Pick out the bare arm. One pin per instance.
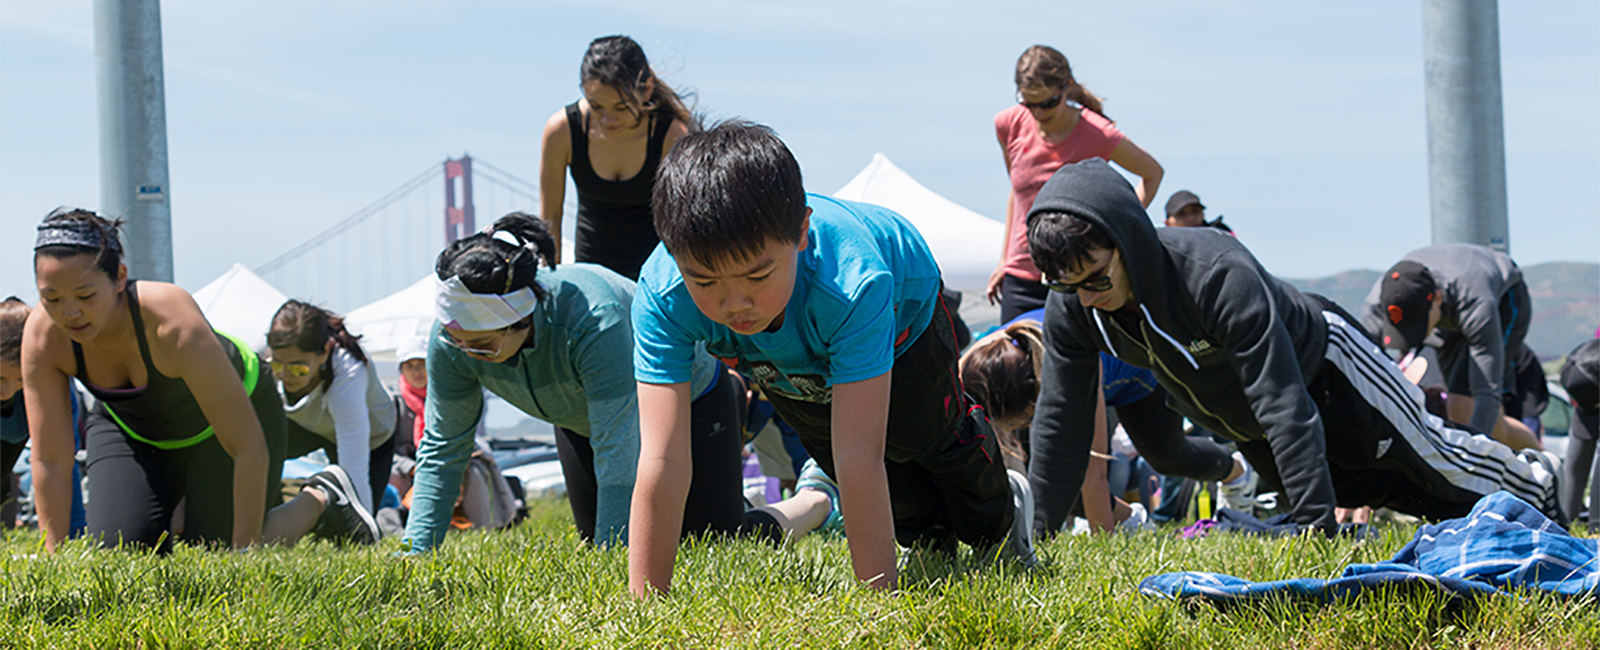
(45, 386)
(1142, 164)
(661, 488)
(992, 292)
(1096, 490)
(860, 425)
(184, 346)
(555, 154)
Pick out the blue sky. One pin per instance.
(1303, 123)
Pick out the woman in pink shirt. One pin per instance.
(1055, 122)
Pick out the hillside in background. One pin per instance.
(1566, 301)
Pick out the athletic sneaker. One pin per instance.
(1019, 543)
(813, 478)
(344, 519)
(1240, 493)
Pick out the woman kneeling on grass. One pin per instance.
(559, 347)
(184, 414)
(333, 397)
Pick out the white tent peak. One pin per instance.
(240, 303)
(965, 243)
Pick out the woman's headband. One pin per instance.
(85, 234)
(458, 307)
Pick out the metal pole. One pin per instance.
(133, 131)
(1466, 123)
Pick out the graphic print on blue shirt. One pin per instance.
(865, 289)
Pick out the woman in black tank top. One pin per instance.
(612, 140)
(185, 414)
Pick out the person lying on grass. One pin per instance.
(185, 414)
(1313, 404)
(555, 343)
(833, 308)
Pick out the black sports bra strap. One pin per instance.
(138, 326)
(138, 333)
(578, 126)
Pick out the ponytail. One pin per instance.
(1046, 67)
(1001, 372)
(503, 258)
(308, 328)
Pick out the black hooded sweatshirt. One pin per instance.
(1234, 346)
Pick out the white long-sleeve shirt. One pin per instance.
(354, 411)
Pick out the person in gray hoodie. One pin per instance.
(1312, 403)
(1474, 297)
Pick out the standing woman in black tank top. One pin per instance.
(612, 140)
(185, 414)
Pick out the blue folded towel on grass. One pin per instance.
(1503, 544)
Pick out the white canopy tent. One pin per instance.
(384, 324)
(965, 243)
(240, 303)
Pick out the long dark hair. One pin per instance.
(619, 62)
(1046, 67)
(487, 264)
(107, 256)
(308, 328)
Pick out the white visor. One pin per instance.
(456, 307)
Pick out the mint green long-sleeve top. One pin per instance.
(574, 371)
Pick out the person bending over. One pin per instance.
(555, 343)
(1311, 402)
(184, 413)
(1001, 372)
(833, 308)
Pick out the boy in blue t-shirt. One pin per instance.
(833, 307)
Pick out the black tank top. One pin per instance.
(163, 409)
(615, 228)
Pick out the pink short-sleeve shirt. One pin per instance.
(1033, 161)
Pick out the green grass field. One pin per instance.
(536, 587)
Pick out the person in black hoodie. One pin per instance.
(1313, 405)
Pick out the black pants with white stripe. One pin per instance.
(1384, 450)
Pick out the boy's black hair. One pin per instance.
(722, 194)
(1061, 243)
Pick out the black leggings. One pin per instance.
(947, 480)
(1019, 296)
(716, 502)
(301, 441)
(1157, 432)
(137, 487)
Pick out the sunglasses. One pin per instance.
(296, 369)
(1043, 105)
(1096, 284)
(482, 352)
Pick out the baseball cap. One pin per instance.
(1180, 200)
(1580, 376)
(1406, 297)
(413, 347)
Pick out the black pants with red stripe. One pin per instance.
(947, 480)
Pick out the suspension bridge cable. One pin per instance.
(351, 221)
(502, 172)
